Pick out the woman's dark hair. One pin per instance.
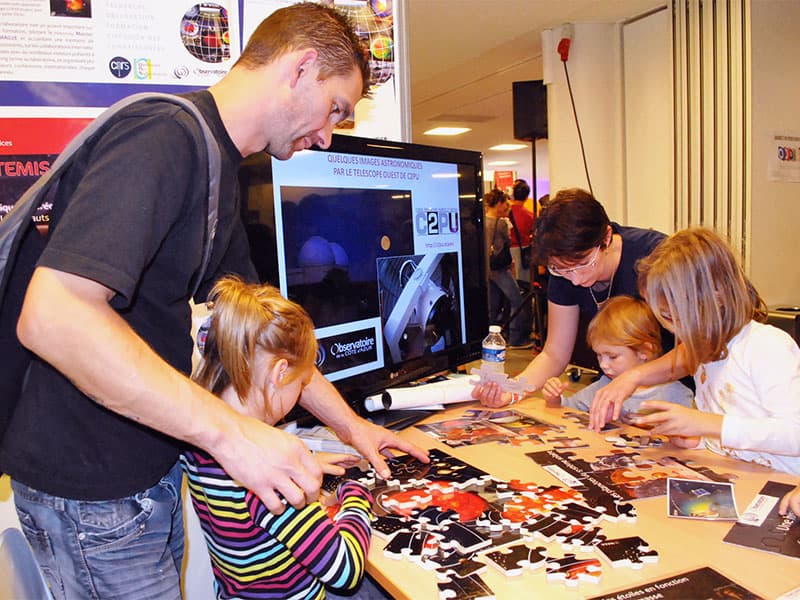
(494, 197)
(572, 224)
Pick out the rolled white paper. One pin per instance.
(418, 396)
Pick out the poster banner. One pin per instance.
(118, 41)
(62, 56)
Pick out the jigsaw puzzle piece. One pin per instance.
(571, 570)
(632, 552)
(466, 566)
(545, 527)
(582, 539)
(564, 441)
(464, 538)
(468, 588)
(385, 526)
(514, 559)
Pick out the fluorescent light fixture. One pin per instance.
(447, 131)
(502, 147)
(502, 163)
(445, 175)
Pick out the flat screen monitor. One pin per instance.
(382, 244)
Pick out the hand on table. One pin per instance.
(336, 463)
(552, 390)
(677, 420)
(375, 442)
(491, 395)
(790, 502)
(689, 443)
(607, 402)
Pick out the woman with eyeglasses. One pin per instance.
(590, 259)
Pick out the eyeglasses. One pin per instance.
(559, 272)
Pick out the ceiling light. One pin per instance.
(502, 163)
(509, 147)
(447, 130)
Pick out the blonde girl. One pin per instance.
(257, 356)
(624, 334)
(747, 373)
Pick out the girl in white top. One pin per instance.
(747, 374)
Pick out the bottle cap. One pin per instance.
(495, 329)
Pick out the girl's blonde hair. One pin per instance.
(695, 277)
(626, 321)
(247, 317)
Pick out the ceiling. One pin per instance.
(465, 54)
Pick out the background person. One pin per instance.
(504, 295)
(590, 259)
(92, 448)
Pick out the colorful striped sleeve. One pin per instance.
(333, 551)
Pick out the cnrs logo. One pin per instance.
(120, 67)
(787, 154)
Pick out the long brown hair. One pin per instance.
(247, 317)
(695, 276)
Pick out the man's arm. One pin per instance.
(87, 341)
(322, 400)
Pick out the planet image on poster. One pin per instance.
(381, 8)
(381, 47)
(205, 33)
(373, 23)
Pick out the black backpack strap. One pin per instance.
(516, 229)
(12, 227)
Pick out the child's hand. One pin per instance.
(677, 420)
(690, 443)
(552, 390)
(790, 502)
(335, 464)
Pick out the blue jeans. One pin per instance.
(126, 548)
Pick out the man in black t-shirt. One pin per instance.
(93, 445)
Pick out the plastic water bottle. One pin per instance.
(493, 350)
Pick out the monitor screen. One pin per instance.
(382, 243)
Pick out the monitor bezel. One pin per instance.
(356, 388)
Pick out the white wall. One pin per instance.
(595, 72)
(647, 94)
(775, 244)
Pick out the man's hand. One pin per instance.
(678, 420)
(336, 463)
(607, 402)
(491, 395)
(790, 502)
(375, 442)
(269, 462)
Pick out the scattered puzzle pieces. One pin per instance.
(572, 570)
(632, 552)
(514, 559)
(468, 588)
(636, 442)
